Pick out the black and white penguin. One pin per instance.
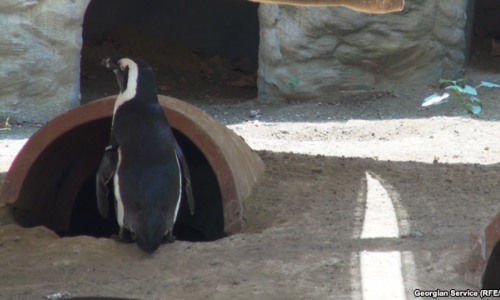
(143, 166)
(491, 276)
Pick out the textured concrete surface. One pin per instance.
(308, 52)
(39, 58)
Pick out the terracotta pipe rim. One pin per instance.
(103, 108)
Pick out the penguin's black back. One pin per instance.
(148, 170)
(491, 276)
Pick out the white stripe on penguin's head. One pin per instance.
(131, 90)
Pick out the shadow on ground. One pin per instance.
(321, 202)
(305, 235)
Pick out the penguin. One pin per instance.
(143, 166)
(491, 275)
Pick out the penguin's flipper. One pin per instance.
(187, 176)
(104, 178)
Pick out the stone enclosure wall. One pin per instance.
(40, 44)
(310, 52)
(305, 52)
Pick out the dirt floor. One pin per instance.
(357, 185)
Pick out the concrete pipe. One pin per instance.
(52, 180)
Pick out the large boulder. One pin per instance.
(40, 57)
(308, 52)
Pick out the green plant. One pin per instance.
(292, 83)
(465, 94)
(6, 123)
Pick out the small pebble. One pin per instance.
(416, 234)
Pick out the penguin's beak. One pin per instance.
(113, 63)
(105, 62)
(110, 63)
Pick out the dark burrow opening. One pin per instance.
(199, 50)
(59, 191)
(485, 34)
(206, 224)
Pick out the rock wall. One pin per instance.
(304, 52)
(40, 44)
(309, 52)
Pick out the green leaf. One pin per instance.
(469, 90)
(476, 109)
(475, 99)
(436, 99)
(293, 80)
(460, 80)
(454, 87)
(489, 84)
(445, 81)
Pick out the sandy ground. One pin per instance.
(365, 196)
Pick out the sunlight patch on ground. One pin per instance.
(382, 272)
(380, 216)
(8, 152)
(444, 139)
(381, 276)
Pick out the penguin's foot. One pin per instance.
(168, 238)
(125, 236)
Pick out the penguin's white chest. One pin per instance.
(180, 188)
(120, 212)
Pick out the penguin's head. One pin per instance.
(134, 76)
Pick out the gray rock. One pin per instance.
(40, 58)
(309, 52)
(416, 234)
(305, 52)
